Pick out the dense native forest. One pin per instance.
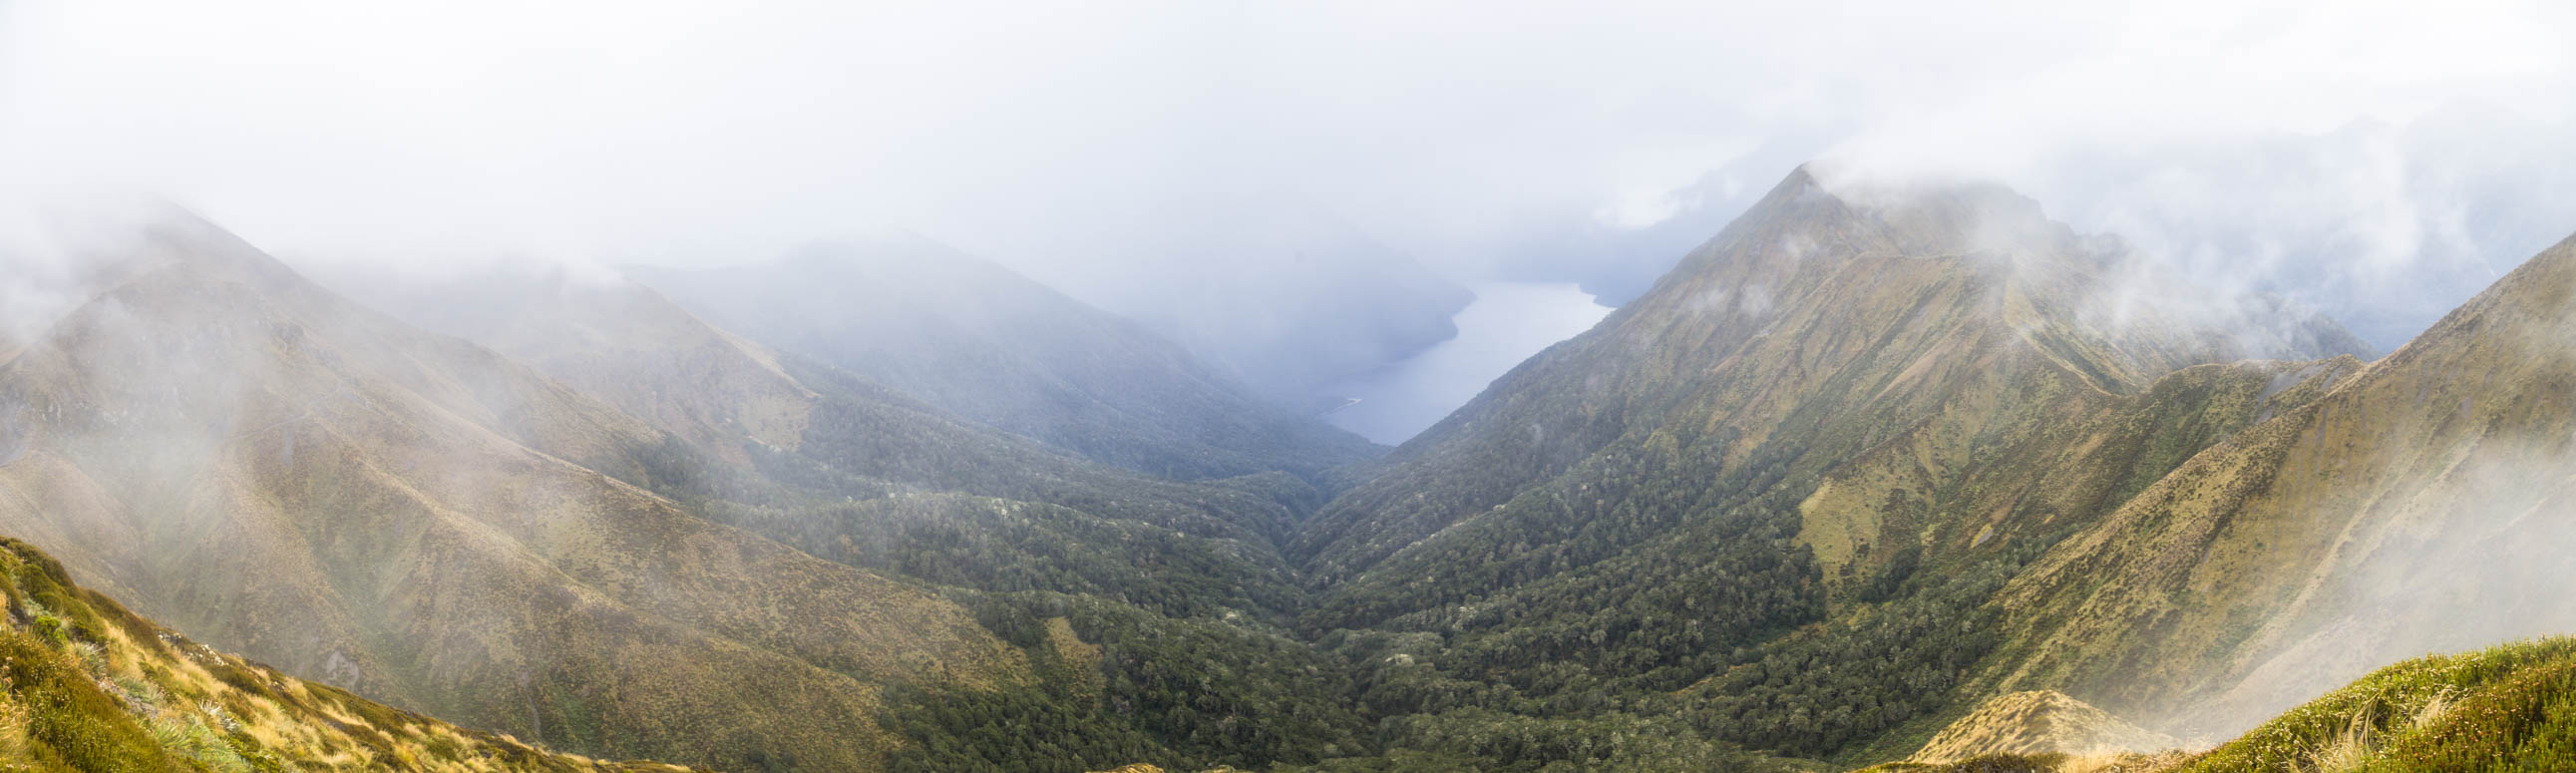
(1799, 531)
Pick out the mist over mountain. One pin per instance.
(2384, 225)
(804, 387)
(233, 449)
(990, 345)
(1874, 458)
(2412, 509)
(1290, 297)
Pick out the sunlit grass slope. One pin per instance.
(87, 686)
(2506, 709)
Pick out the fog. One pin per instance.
(1363, 212)
(2480, 561)
(1166, 160)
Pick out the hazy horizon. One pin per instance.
(2376, 163)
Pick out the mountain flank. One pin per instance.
(2416, 506)
(414, 518)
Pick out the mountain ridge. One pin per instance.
(1755, 497)
(2420, 451)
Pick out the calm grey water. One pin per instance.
(1508, 322)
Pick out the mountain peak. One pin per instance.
(1815, 210)
(1948, 216)
(179, 237)
(2535, 293)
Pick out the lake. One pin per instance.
(1508, 322)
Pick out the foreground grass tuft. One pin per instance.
(88, 687)
(2505, 709)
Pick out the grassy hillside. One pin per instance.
(2509, 708)
(2505, 708)
(87, 686)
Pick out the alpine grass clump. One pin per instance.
(2508, 708)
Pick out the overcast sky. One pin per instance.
(1562, 141)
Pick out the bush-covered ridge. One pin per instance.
(87, 686)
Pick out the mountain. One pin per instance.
(755, 426)
(93, 687)
(617, 549)
(278, 472)
(1148, 607)
(1873, 459)
(2420, 505)
(1773, 494)
(989, 345)
(610, 339)
(1879, 472)
(1805, 300)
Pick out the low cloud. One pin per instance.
(2376, 160)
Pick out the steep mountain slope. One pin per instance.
(1770, 495)
(87, 686)
(611, 340)
(391, 542)
(763, 427)
(990, 345)
(2420, 505)
(276, 471)
(1807, 299)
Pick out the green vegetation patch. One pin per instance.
(2506, 709)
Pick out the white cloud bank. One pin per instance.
(2307, 141)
